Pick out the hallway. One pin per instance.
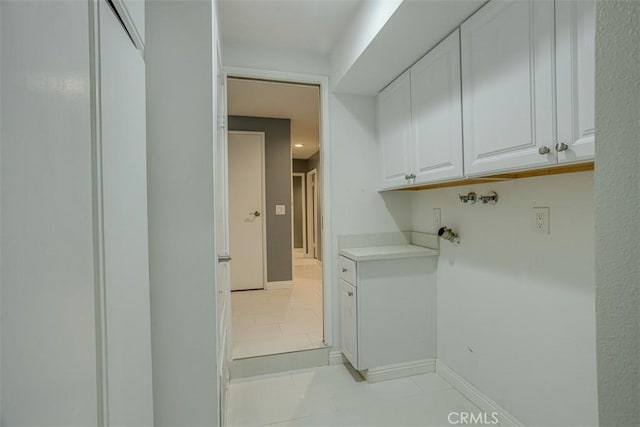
(280, 320)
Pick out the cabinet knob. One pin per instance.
(344, 270)
(412, 176)
(407, 177)
(561, 146)
(350, 293)
(544, 150)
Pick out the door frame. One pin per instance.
(314, 214)
(262, 205)
(302, 175)
(328, 281)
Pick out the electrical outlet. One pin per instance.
(280, 210)
(436, 218)
(541, 220)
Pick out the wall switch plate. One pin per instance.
(281, 210)
(436, 218)
(541, 220)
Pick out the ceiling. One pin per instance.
(415, 28)
(299, 103)
(310, 25)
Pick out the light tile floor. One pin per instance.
(280, 320)
(336, 396)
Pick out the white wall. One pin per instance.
(180, 141)
(1, 97)
(358, 207)
(48, 324)
(523, 302)
(366, 24)
(617, 205)
(286, 60)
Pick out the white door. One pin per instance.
(575, 65)
(394, 131)
(436, 110)
(312, 213)
(507, 82)
(124, 217)
(349, 322)
(246, 213)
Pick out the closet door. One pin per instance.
(123, 160)
(394, 132)
(507, 83)
(437, 113)
(575, 65)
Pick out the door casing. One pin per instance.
(330, 326)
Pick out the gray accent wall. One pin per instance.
(300, 165)
(278, 190)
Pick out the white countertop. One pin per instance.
(371, 253)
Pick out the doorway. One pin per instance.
(283, 312)
(312, 214)
(299, 209)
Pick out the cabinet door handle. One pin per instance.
(350, 293)
(544, 150)
(344, 270)
(561, 146)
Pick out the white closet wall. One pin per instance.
(74, 283)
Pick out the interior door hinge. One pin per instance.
(222, 121)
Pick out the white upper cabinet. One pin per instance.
(507, 83)
(394, 131)
(575, 76)
(436, 149)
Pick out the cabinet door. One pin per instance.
(349, 322)
(436, 109)
(394, 129)
(507, 83)
(575, 65)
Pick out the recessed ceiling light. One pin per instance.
(298, 145)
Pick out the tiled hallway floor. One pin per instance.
(330, 396)
(280, 320)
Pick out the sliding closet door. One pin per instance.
(125, 234)
(48, 366)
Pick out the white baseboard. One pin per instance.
(400, 370)
(335, 358)
(481, 400)
(284, 284)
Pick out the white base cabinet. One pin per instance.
(388, 314)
